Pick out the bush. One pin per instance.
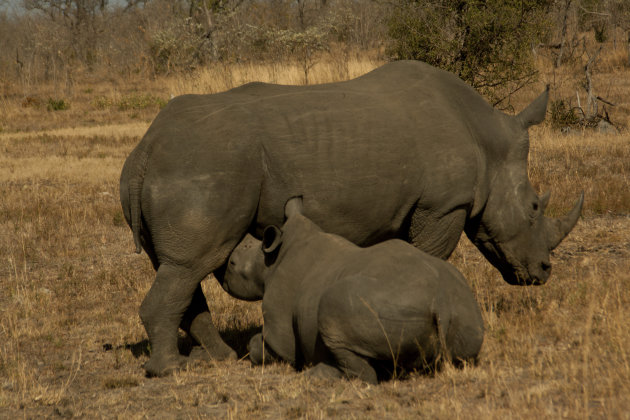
(57, 105)
(486, 43)
(140, 101)
(563, 115)
(178, 47)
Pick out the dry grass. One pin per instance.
(105, 101)
(71, 343)
(221, 78)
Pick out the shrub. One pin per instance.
(140, 101)
(486, 43)
(57, 105)
(563, 115)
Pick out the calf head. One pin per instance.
(243, 276)
(249, 264)
(512, 231)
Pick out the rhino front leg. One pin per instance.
(437, 234)
(161, 313)
(197, 322)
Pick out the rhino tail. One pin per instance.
(135, 193)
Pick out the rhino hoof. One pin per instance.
(159, 367)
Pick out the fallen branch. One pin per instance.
(604, 101)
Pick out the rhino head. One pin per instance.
(511, 230)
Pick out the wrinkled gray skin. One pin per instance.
(329, 303)
(406, 151)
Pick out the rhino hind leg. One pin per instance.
(173, 300)
(161, 313)
(197, 322)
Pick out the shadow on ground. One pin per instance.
(235, 338)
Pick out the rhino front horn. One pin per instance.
(558, 229)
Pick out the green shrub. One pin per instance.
(102, 102)
(57, 105)
(486, 43)
(140, 101)
(563, 115)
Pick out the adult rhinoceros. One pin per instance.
(406, 151)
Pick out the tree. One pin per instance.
(80, 16)
(488, 43)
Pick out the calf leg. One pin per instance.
(259, 352)
(354, 366)
(197, 322)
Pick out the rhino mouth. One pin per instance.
(520, 276)
(512, 270)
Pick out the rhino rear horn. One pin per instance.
(558, 229)
(535, 112)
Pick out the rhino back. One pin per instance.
(368, 150)
(399, 302)
(365, 150)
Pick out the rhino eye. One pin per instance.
(535, 206)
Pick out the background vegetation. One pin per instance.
(80, 82)
(494, 44)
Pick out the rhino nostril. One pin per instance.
(546, 267)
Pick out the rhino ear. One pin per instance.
(535, 112)
(293, 206)
(271, 240)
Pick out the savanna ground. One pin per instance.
(72, 344)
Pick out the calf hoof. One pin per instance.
(255, 349)
(221, 351)
(323, 371)
(161, 366)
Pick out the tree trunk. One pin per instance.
(563, 34)
(591, 104)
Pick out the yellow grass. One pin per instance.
(71, 342)
(219, 78)
(116, 131)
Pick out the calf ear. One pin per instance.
(293, 206)
(272, 238)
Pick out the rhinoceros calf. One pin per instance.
(332, 304)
